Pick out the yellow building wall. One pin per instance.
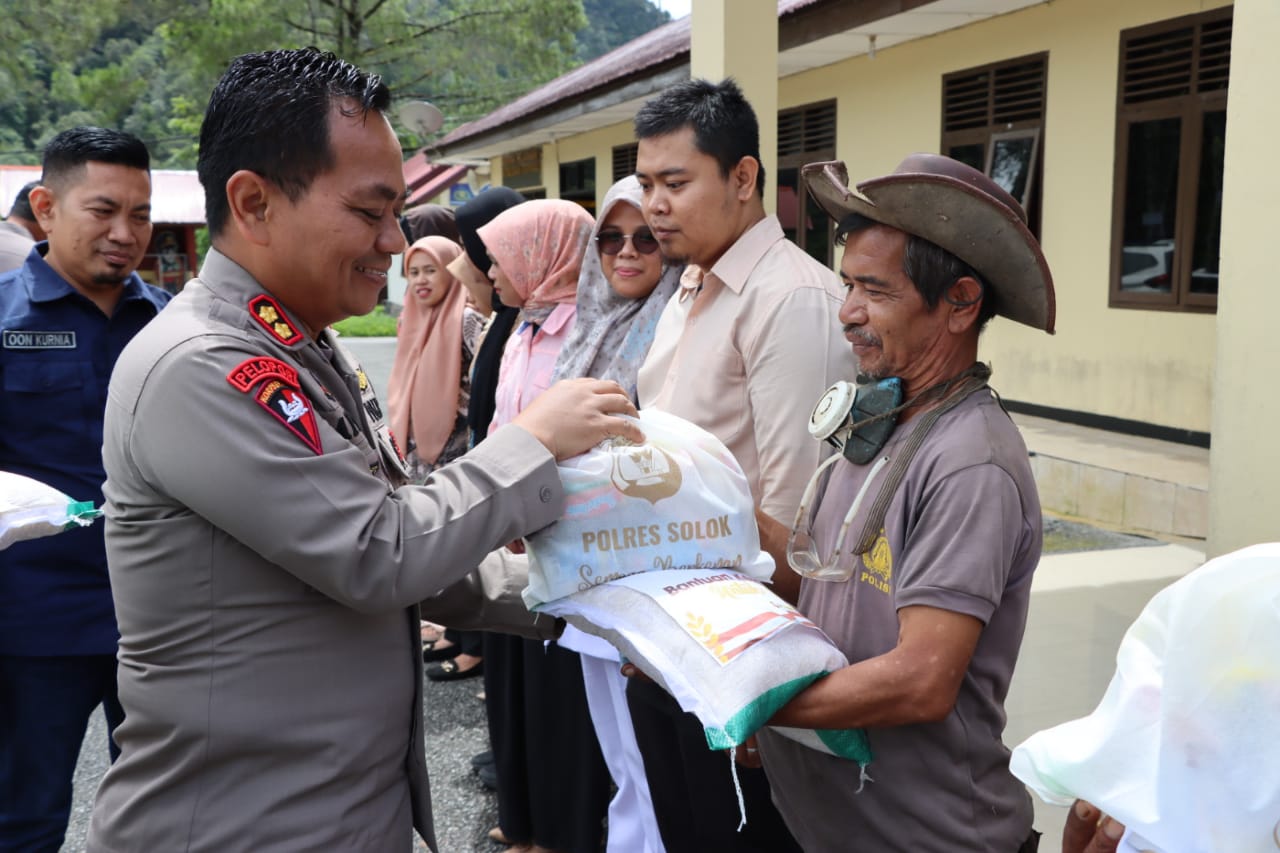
(1244, 463)
(597, 143)
(1150, 366)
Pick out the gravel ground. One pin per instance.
(455, 730)
(1062, 535)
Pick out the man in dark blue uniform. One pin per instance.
(65, 315)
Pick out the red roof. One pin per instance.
(426, 180)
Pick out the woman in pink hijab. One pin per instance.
(553, 785)
(428, 390)
(537, 250)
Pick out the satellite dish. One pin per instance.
(421, 117)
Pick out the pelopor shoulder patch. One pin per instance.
(274, 386)
(271, 317)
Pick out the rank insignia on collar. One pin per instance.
(280, 395)
(271, 317)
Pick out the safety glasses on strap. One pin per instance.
(802, 550)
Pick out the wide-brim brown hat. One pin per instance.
(959, 209)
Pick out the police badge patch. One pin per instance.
(280, 395)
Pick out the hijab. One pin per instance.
(488, 360)
(539, 247)
(427, 219)
(612, 333)
(427, 372)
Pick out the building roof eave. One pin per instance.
(811, 34)
(619, 101)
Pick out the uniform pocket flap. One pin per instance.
(41, 377)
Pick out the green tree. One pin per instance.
(148, 65)
(613, 23)
(466, 56)
(88, 62)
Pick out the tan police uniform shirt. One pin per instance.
(265, 563)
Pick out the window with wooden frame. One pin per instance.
(1171, 123)
(578, 182)
(805, 135)
(993, 119)
(624, 160)
(522, 170)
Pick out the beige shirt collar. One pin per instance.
(736, 265)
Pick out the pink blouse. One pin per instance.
(528, 362)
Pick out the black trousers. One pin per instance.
(468, 642)
(691, 785)
(553, 784)
(45, 705)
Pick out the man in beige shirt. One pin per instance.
(19, 231)
(744, 349)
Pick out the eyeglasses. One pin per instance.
(802, 550)
(643, 241)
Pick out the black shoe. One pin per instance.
(450, 671)
(431, 654)
(478, 761)
(489, 776)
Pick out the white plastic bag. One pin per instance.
(729, 650)
(1184, 748)
(678, 501)
(30, 509)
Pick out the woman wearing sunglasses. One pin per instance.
(623, 287)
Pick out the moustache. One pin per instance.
(862, 336)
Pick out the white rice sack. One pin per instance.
(678, 501)
(30, 509)
(1183, 748)
(729, 650)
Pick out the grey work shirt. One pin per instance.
(266, 567)
(15, 245)
(962, 533)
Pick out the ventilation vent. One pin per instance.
(1158, 66)
(1186, 60)
(996, 95)
(624, 160)
(1018, 93)
(807, 130)
(966, 101)
(1215, 56)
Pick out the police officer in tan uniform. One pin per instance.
(265, 557)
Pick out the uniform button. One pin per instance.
(545, 494)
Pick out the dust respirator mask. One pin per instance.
(857, 420)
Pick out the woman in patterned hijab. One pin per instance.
(624, 285)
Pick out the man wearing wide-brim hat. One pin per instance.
(920, 539)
